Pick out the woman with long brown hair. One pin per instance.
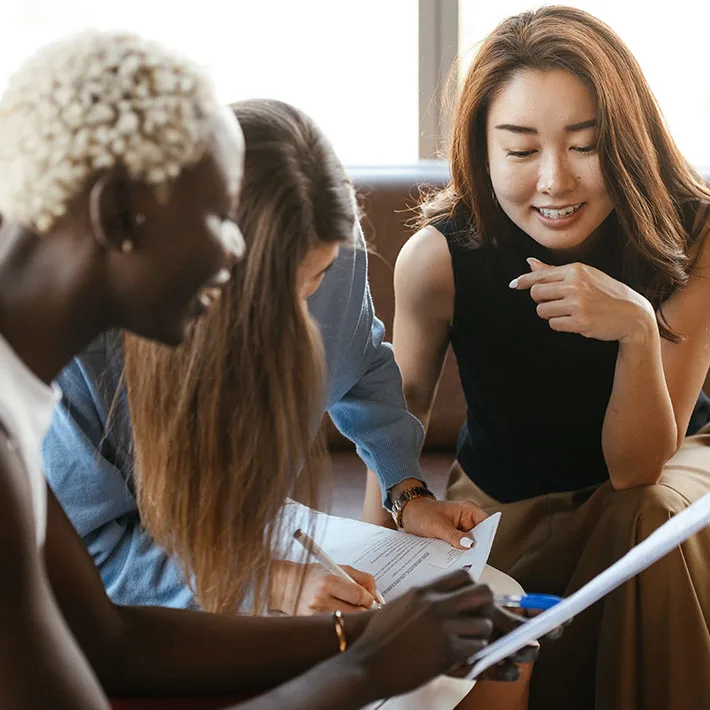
(566, 265)
(261, 352)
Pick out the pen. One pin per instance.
(527, 601)
(331, 566)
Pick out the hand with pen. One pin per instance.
(324, 586)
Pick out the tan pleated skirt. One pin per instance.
(647, 644)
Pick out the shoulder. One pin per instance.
(423, 272)
(426, 254)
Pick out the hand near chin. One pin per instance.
(577, 298)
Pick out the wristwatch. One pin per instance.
(406, 496)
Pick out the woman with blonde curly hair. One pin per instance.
(121, 175)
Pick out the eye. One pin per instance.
(519, 153)
(584, 149)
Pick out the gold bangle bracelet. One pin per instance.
(339, 622)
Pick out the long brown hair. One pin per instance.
(223, 424)
(647, 178)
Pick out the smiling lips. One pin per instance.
(558, 212)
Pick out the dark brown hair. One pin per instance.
(223, 424)
(647, 178)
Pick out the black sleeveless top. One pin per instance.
(535, 398)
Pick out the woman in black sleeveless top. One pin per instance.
(565, 265)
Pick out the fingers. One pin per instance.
(471, 627)
(474, 599)
(505, 671)
(458, 579)
(453, 519)
(470, 515)
(542, 292)
(554, 309)
(527, 654)
(362, 578)
(547, 275)
(565, 324)
(503, 620)
(335, 593)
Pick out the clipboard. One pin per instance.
(659, 543)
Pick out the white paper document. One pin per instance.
(659, 543)
(396, 560)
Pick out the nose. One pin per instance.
(555, 177)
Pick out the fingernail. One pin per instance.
(513, 283)
(532, 259)
(466, 542)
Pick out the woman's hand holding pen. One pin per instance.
(322, 592)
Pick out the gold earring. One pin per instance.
(126, 246)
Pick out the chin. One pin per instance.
(558, 240)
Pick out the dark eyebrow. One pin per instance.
(582, 125)
(517, 129)
(527, 130)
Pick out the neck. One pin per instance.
(48, 309)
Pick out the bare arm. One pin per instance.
(159, 651)
(660, 379)
(41, 665)
(424, 299)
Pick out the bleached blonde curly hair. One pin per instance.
(88, 102)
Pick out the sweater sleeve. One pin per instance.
(373, 413)
(92, 481)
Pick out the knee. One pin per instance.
(644, 508)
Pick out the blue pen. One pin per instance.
(527, 601)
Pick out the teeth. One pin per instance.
(556, 214)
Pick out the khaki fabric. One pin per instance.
(647, 644)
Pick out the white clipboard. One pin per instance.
(666, 538)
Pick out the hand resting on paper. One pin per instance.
(321, 592)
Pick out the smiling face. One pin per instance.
(184, 253)
(541, 136)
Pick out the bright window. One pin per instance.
(352, 66)
(670, 43)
